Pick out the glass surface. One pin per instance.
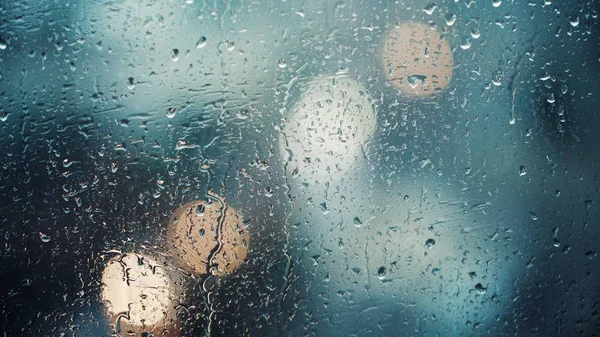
(299, 168)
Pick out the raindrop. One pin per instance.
(480, 289)
(171, 112)
(3, 44)
(200, 210)
(381, 272)
(466, 43)
(575, 21)
(496, 3)
(230, 45)
(522, 170)
(268, 192)
(3, 116)
(324, 208)
(45, 238)
(120, 147)
(357, 221)
(429, 243)
(430, 9)
(282, 63)
(591, 254)
(130, 84)
(201, 42)
(450, 19)
(415, 80)
(175, 55)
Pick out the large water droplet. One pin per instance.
(171, 112)
(430, 9)
(466, 43)
(575, 21)
(45, 238)
(480, 289)
(200, 210)
(522, 170)
(450, 19)
(201, 42)
(282, 63)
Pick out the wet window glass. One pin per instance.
(299, 168)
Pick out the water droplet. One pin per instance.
(480, 289)
(475, 33)
(522, 170)
(175, 55)
(429, 243)
(415, 80)
(357, 221)
(575, 21)
(450, 19)
(496, 3)
(3, 116)
(324, 208)
(130, 83)
(171, 112)
(120, 147)
(466, 43)
(230, 45)
(591, 254)
(201, 42)
(45, 238)
(381, 272)
(200, 210)
(268, 192)
(534, 216)
(282, 63)
(430, 9)
(3, 44)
